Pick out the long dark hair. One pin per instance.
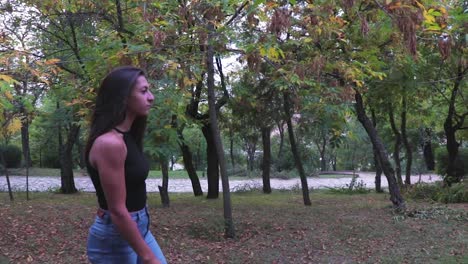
(111, 105)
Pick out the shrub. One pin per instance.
(355, 187)
(461, 166)
(246, 187)
(50, 159)
(457, 193)
(12, 155)
(423, 191)
(283, 175)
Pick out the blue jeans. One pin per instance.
(106, 246)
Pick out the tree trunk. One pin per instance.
(188, 164)
(404, 136)
(297, 157)
(452, 150)
(333, 162)
(378, 168)
(378, 173)
(5, 169)
(66, 173)
(251, 143)
(321, 143)
(395, 196)
(25, 141)
(322, 150)
(80, 151)
(66, 160)
(165, 182)
(266, 131)
(280, 150)
(172, 163)
(228, 222)
(427, 149)
(26, 149)
(231, 148)
(212, 170)
(397, 146)
(450, 130)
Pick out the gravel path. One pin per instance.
(18, 183)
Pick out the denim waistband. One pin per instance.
(136, 215)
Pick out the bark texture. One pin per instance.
(297, 157)
(395, 196)
(266, 162)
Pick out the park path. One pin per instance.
(83, 183)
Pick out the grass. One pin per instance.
(275, 228)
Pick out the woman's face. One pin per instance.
(141, 98)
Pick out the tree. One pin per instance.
(255, 105)
(6, 118)
(445, 34)
(267, 58)
(23, 62)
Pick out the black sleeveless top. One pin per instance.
(136, 172)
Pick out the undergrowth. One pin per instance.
(355, 187)
(457, 193)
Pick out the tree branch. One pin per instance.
(236, 13)
(383, 8)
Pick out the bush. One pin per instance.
(457, 193)
(423, 191)
(461, 167)
(12, 155)
(355, 187)
(283, 175)
(50, 159)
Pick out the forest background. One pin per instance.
(247, 88)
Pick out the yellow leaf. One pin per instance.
(14, 126)
(173, 65)
(8, 95)
(167, 126)
(189, 82)
(52, 61)
(443, 10)
(271, 4)
(433, 28)
(420, 5)
(429, 18)
(6, 78)
(272, 53)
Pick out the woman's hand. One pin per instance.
(152, 260)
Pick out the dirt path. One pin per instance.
(41, 184)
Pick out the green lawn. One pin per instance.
(275, 228)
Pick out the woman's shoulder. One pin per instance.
(110, 141)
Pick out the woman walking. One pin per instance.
(118, 170)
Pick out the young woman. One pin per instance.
(118, 170)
